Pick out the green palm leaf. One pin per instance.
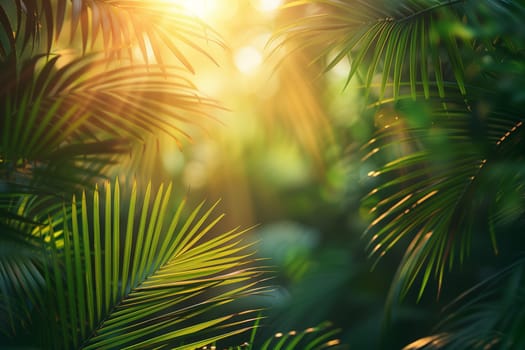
(142, 276)
(21, 278)
(119, 25)
(444, 175)
(66, 122)
(320, 337)
(489, 315)
(421, 42)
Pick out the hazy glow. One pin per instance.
(341, 69)
(267, 5)
(211, 11)
(200, 8)
(248, 59)
(173, 161)
(195, 175)
(285, 166)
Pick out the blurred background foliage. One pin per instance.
(284, 156)
(349, 98)
(308, 128)
(287, 159)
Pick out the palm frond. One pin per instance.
(21, 274)
(490, 315)
(119, 25)
(21, 285)
(7, 38)
(323, 336)
(419, 42)
(445, 174)
(142, 276)
(63, 120)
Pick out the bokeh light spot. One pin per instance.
(173, 161)
(341, 69)
(267, 5)
(195, 175)
(199, 8)
(248, 59)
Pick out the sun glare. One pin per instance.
(200, 8)
(248, 59)
(267, 5)
(210, 10)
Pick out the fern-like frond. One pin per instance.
(323, 336)
(489, 316)
(22, 282)
(61, 119)
(138, 275)
(419, 42)
(320, 337)
(446, 170)
(117, 25)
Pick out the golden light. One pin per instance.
(173, 160)
(267, 5)
(200, 8)
(341, 69)
(195, 175)
(248, 59)
(210, 11)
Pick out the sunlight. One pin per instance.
(173, 160)
(210, 10)
(248, 59)
(267, 5)
(341, 69)
(200, 8)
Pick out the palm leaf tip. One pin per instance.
(323, 336)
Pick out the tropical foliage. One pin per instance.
(443, 80)
(111, 280)
(100, 265)
(427, 131)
